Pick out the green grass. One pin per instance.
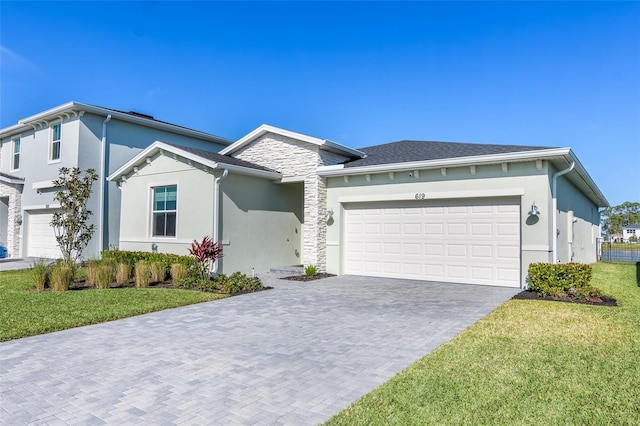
(620, 247)
(24, 312)
(528, 362)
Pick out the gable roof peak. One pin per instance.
(263, 129)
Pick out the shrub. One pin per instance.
(562, 280)
(61, 277)
(123, 272)
(237, 282)
(178, 272)
(158, 272)
(310, 270)
(40, 274)
(92, 266)
(187, 283)
(205, 253)
(133, 257)
(143, 274)
(104, 276)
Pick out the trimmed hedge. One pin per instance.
(230, 284)
(562, 280)
(133, 257)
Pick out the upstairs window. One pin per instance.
(15, 155)
(54, 150)
(164, 211)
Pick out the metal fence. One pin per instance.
(618, 252)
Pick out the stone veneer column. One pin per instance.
(294, 158)
(13, 192)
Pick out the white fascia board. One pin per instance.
(11, 179)
(157, 146)
(43, 184)
(602, 200)
(77, 107)
(341, 149)
(447, 162)
(266, 128)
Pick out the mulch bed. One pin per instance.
(306, 278)
(81, 284)
(597, 301)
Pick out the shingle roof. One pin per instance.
(632, 226)
(406, 151)
(224, 159)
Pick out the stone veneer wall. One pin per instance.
(13, 191)
(294, 158)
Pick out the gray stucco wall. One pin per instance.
(578, 224)
(260, 226)
(298, 159)
(489, 181)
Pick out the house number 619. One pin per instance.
(420, 196)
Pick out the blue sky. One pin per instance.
(358, 73)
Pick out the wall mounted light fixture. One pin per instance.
(534, 210)
(329, 213)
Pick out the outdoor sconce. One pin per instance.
(329, 213)
(534, 210)
(18, 219)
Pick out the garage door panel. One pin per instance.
(457, 250)
(482, 251)
(434, 229)
(457, 229)
(508, 229)
(481, 229)
(434, 249)
(470, 241)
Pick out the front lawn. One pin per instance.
(528, 362)
(27, 313)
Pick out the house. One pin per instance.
(631, 233)
(452, 212)
(74, 135)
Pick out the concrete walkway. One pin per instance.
(293, 355)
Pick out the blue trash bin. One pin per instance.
(3, 252)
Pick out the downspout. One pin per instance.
(103, 179)
(217, 213)
(554, 220)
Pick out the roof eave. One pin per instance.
(446, 162)
(69, 107)
(158, 146)
(545, 154)
(266, 128)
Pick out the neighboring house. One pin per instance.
(631, 233)
(452, 212)
(73, 135)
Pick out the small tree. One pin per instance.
(205, 252)
(70, 223)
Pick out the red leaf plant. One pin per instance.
(205, 253)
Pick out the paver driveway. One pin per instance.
(293, 355)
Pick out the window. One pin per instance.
(54, 151)
(164, 211)
(15, 159)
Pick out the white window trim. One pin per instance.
(151, 210)
(13, 155)
(50, 159)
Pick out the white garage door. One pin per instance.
(41, 240)
(464, 241)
